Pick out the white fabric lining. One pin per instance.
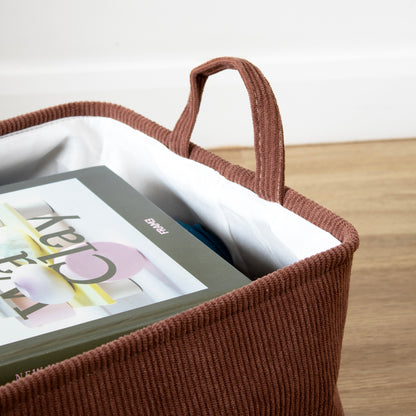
(262, 236)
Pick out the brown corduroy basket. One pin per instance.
(269, 348)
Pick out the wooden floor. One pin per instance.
(373, 185)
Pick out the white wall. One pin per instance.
(341, 70)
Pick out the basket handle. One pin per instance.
(268, 131)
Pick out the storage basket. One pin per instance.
(269, 348)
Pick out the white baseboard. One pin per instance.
(321, 99)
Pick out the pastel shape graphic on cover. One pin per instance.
(42, 284)
(45, 286)
(113, 261)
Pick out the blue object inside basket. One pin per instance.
(209, 239)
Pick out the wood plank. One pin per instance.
(373, 185)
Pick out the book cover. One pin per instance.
(84, 259)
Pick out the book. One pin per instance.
(85, 259)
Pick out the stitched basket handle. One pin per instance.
(268, 131)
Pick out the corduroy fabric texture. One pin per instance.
(268, 131)
(270, 348)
